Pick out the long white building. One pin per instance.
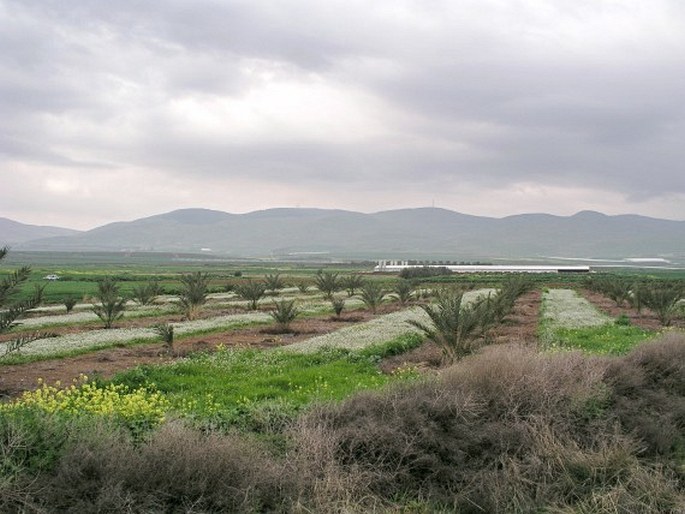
(389, 266)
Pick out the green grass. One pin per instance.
(259, 390)
(605, 339)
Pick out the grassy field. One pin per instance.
(587, 418)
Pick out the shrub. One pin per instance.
(508, 430)
(425, 272)
(69, 303)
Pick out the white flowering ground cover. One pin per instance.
(564, 308)
(90, 316)
(378, 330)
(94, 339)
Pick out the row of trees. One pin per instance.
(458, 327)
(664, 298)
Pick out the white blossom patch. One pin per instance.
(564, 308)
(378, 330)
(94, 339)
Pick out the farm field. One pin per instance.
(341, 412)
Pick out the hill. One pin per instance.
(13, 232)
(398, 234)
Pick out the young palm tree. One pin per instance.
(145, 294)
(372, 295)
(328, 283)
(252, 292)
(453, 326)
(273, 283)
(284, 313)
(403, 291)
(166, 332)
(112, 304)
(338, 305)
(194, 293)
(351, 283)
(664, 300)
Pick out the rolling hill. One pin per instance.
(396, 234)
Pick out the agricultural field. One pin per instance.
(331, 389)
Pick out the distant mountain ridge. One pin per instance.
(398, 234)
(13, 232)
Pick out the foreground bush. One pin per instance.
(506, 430)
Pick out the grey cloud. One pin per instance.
(487, 99)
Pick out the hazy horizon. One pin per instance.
(114, 112)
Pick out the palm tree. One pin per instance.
(194, 293)
(252, 292)
(12, 310)
(351, 283)
(112, 305)
(403, 291)
(273, 283)
(453, 326)
(328, 283)
(284, 313)
(372, 295)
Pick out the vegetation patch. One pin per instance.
(257, 389)
(612, 339)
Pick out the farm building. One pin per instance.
(397, 266)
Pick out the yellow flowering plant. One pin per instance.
(136, 408)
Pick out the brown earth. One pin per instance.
(646, 319)
(14, 379)
(520, 326)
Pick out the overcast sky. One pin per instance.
(119, 110)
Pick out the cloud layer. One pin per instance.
(119, 110)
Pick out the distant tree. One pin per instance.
(69, 303)
(273, 283)
(145, 294)
(328, 283)
(351, 283)
(403, 291)
(252, 292)
(664, 301)
(194, 291)
(303, 286)
(112, 304)
(372, 295)
(12, 309)
(338, 305)
(166, 332)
